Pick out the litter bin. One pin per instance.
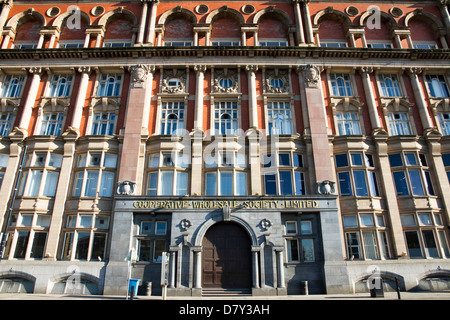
(133, 287)
(145, 289)
(376, 287)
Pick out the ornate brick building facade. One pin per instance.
(267, 147)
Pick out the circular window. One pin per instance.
(225, 82)
(174, 83)
(396, 12)
(352, 11)
(248, 9)
(202, 9)
(53, 12)
(97, 11)
(276, 83)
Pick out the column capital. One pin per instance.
(199, 68)
(35, 70)
(413, 71)
(365, 70)
(251, 68)
(84, 69)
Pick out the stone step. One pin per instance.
(218, 292)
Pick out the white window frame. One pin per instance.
(280, 110)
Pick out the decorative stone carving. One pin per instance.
(325, 187)
(311, 75)
(185, 224)
(266, 224)
(126, 188)
(139, 75)
(276, 81)
(225, 76)
(226, 212)
(174, 81)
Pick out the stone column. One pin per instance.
(387, 182)
(62, 191)
(445, 14)
(8, 33)
(6, 8)
(279, 254)
(172, 269)
(252, 104)
(298, 22)
(198, 112)
(370, 98)
(132, 150)
(254, 138)
(143, 22)
(198, 268)
(419, 97)
(30, 99)
(311, 89)
(152, 22)
(81, 97)
(255, 251)
(307, 17)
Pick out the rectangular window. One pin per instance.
(390, 86)
(370, 247)
(109, 85)
(353, 249)
(399, 123)
(211, 183)
(182, 183)
(291, 227)
(437, 86)
(274, 43)
(270, 183)
(341, 84)
(166, 183)
(430, 244)
(172, 117)
(98, 246)
(144, 249)
(103, 123)
(38, 246)
(292, 250)
(82, 247)
(333, 44)
(5, 123)
(226, 117)
(159, 248)
(345, 186)
(279, 117)
(228, 43)
(444, 122)
(306, 227)
(350, 221)
(21, 244)
(400, 183)
(413, 243)
(348, 123)
(359, 177)
(52, 123)
(12, 86)
(285, 182)
(60, 85)
(307, 250)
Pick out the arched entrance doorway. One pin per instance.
(226, 261)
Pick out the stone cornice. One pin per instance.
(295, 52)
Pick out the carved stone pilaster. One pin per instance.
(311, 75)
(139, 74)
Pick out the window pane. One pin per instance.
(356, 159)
(21, 244)
(226, 183)
(35, 183)
(110, 160)
(161, 227)
(345, 184)
(85, 221)
(152, 183)
(106, 185)
(90, 189)
(341, 160)
(400, 183)
(425, 219)
(370, 245)
(430, 243)
(395, 160)
(299, 183)
(359, 177)
(241, 184)
(284, 159)
(408, 220)
(82, 248)
(38, 246)
(51, 182)
(144, 250)
(211, 184)
(182, 183)
(146, 227)
(412, 240)
(306, 227)
(416, 182)
(292, 250)
(285, 183)
(160, 247)
(443, 241)
(352, 245)
(367, 220)
(166, 183)
(308, 249)
(410, 159)
(67, 249)
(98, 246)
(291, 227)
(350, 221)
(270, 184)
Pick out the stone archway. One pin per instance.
(226, 257)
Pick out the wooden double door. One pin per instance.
(226, 257)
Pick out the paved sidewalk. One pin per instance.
(442, 295)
